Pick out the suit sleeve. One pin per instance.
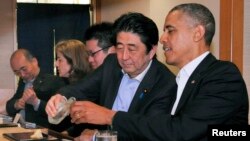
(52, 85)
(11, 102)
(219, 98)
(92, 86)
(86, 89)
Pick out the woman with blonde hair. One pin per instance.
(72, 64)
(72, 60)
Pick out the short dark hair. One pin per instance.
(101, 32)
(139, 24)
(201, 15)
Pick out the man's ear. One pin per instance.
(34, 61)
(152, 52)
(199, 33)
(111, 50)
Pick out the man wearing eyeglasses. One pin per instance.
(99, 44)
(34, 88)
(98, 40)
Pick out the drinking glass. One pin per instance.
(106, 135)
(63, 110)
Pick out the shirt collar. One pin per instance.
(142, 74)
(191, 66)
(31, 81)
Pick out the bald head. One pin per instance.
(22, 52)
(24, 64)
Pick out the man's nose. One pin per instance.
(163, 38)
(125, 54)
(90, 59)
(22, 74)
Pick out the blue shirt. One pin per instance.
(127, 90)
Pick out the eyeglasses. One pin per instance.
(92, 54)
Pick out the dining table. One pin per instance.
(18, 129)
(15, 129)
(49, 135)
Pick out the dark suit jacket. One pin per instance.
(103, 84)
(45, 86)
(214, 94)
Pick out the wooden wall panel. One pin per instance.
(96, 9)
(238, 25)
(231, 31)
(225, 29)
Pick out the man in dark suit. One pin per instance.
(210, 91)
(131, 80)
(34, 88)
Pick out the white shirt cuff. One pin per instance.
(37, 105)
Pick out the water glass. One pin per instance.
(106, 135)
(63, 110)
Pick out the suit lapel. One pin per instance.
(194, 80)
(144, 88)
(113, 90)
(37, 82)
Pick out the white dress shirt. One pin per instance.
(183, 77)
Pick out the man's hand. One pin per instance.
(86, 135)
(29, 96)
(20, 104)
(52, 104)
(88, 112)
